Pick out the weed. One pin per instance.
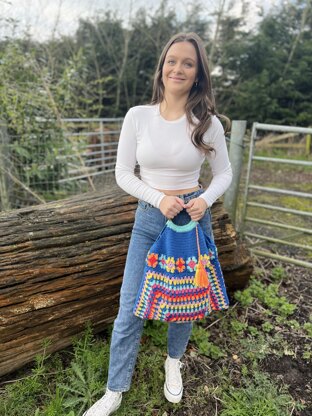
(278, 273)
(20, 398)
(237, 326)
(307, 354)
(157, 332)
(85, 377)
(253, 330)
(200, 338)
(281, 320)
(244, 297)
(267, 327)
(254, 350)
(41, 359)
(267, 295)
(244, 370)
(257, 397)
(308, 328)
(66, 393)
(293, 324)
(54, 405)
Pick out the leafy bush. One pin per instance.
(35, 153)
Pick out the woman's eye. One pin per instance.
(187, 64)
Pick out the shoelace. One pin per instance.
(174, 376)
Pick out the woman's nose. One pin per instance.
(178, 68)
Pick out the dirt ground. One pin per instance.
(292, 369)
(288, 368)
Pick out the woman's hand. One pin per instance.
(196, 208)
(170, 206)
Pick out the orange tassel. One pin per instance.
(201, 276)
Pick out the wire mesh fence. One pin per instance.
(55, 163)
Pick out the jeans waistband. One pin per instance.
(187, 197)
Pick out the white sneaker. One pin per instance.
(107, 404)
(173, 388)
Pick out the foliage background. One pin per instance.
(260, 74)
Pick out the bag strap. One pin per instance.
(201, 276)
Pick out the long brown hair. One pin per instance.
(201, 100)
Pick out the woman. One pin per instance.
(170, 139)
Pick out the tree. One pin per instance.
(260, 87)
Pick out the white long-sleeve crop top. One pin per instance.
(167, 158)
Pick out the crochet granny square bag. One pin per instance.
(182, 279)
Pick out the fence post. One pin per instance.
(4, 166)
(308, 145)
(102, 148)
(236, 158)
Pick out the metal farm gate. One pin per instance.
(94, 146)
(279, 224)
(52, 164)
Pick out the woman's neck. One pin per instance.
(172, 107)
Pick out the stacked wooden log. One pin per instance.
(61, 266)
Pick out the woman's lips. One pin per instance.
(177, 79)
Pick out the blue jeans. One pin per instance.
(127, 331)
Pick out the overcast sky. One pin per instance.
(42, 18)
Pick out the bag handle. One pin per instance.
(181, 228)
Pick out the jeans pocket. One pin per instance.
(206, 222)
(144, 205)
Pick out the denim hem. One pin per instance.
(176, 358)
(119, 390)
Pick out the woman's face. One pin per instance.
(180, 68)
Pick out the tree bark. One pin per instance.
(61, 266)
(219, 14)
(303, 21)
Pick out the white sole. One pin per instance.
(172, 398)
